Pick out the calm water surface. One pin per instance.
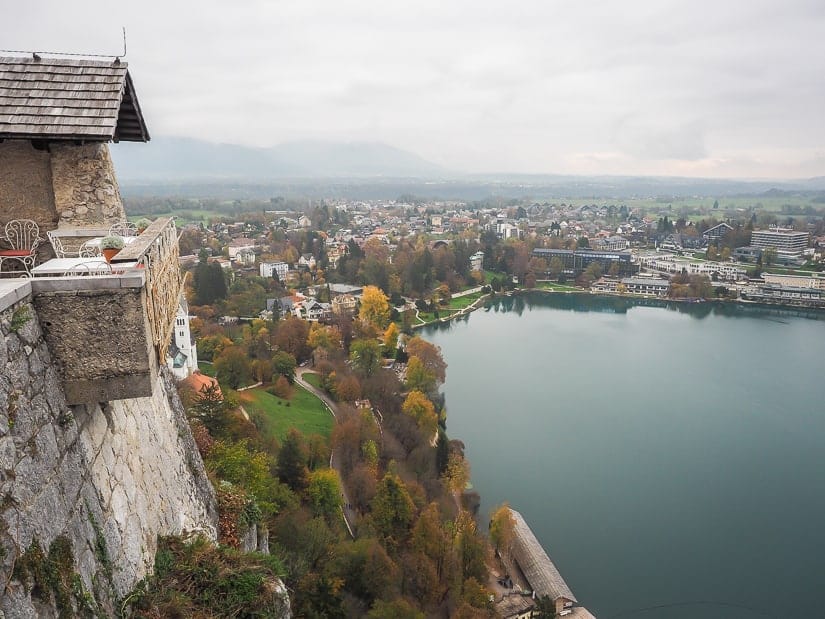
(663, 455)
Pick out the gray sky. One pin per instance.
(731, 88)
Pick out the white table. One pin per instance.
(94, 266)
(96, 241)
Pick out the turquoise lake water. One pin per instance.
(668, 456)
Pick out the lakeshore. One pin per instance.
(653, 301)
(647, 448)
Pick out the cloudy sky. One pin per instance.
(730, 88)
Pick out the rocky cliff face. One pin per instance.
(85, 490)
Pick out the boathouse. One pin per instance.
(541, 574)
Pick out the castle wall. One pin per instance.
(66, 185)
(26, 184)
(85, 187)
(108, 477)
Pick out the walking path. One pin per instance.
(332, 407)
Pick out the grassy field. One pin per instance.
(313, 379)
(465, 301)
(555, 286)
(304, 412)
(207, 368)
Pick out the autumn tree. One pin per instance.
(368, 572)
(419, 407)
(347, 388)
(418, 377)
(291, 336)
(284, 364)
(457, 474)
(395, 609)
(233, 367)
(392, 509)
(502, 528)
(324, 492)
(430, 356)
(391, 338)
(282, 388)
(375, 307)
(365, 356)
(326, 337)
(291, 465)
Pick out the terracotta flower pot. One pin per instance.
(109, 253)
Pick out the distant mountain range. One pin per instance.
(372, 170)
(187, 159)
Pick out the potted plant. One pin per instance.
(142, 224)
(110, 245)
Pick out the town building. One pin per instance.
(786, 295)
(747, 254)
(576, 261)
(668, 263)
(783, 240)
(477, 261)
(611, 243)
(795, 281)
(277, 269)
(239, 245)
(648, 286)
(182, 357)
(717, 232)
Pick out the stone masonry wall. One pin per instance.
(85, 187)
(26, 184)
(109, 478)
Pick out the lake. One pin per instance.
(669, 457)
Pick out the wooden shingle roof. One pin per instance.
(68, 99)
(533, 561)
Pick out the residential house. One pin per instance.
(238, 245)
(274, 269)
(307, 260)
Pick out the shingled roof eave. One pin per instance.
(137, 130)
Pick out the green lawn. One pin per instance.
(305, 412)
(465, 301)
(207, 368)
(555, 286)
(313, 379)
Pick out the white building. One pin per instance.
(182, 357)
(783, 240)
(267, 269)
(477, 261)
(238, 245)
(672, 264)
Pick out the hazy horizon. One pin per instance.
(644, 88)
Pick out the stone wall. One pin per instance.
(26, 184)
(64, 185)
(109, 479)
(85, 187)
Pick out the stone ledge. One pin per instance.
(132, 279)
(13, 291)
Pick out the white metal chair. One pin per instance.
(22, 236)
(89, 249)
(60, 250)
(89, 268)
(123, 228)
